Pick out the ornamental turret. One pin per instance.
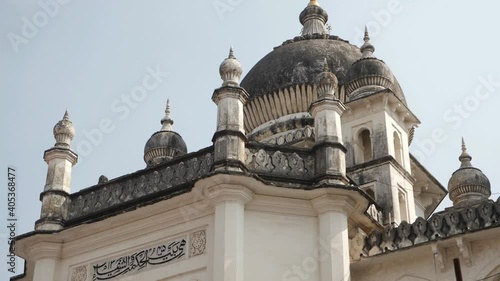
(60, 160)
(368, 75)
(314, 19)
(229, 139)
(164, 145)
(468, 185)
(329, 149)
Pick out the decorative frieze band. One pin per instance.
(441, 225)
(152, 181)
(280, 164)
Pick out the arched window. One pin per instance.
(365, 145)
(398, 148)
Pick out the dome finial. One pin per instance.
(167, 121)
(313, 3)
(325, 66)
(367, 49)
(327, 82)
(314, 19)
(64, 131)
(465, 158)
(230, 70)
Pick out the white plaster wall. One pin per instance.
(133, 237)
(280, 247)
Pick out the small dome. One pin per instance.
(231, 70)
(468, 185)
(165, 144)
(368, 74)
(64, 131)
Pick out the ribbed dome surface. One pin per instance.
(163, 145)
(468, 185)
(299, 62)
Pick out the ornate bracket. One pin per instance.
(439, 256)
(465, 251)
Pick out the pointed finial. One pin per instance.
(167, 121)
(326, 82)
(66, 115)
(231, 70)
(367, 49)
(313, 3)
(64, 131)
(325, 66)
(465, 158)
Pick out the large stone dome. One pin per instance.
(299, 61)
(282, 84)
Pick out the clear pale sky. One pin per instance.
(88, 57)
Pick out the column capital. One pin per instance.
(233, 92)
(229, 192)
(60, 153)
(45, 250)
(333, 203)
(327, 104)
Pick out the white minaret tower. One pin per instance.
(229, 139)
(60, 160)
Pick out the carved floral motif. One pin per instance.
(279, 164)
(79, 273)
(198, 243)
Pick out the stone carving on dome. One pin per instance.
(158, 179)
(291, 136)
(442, 225)
(280, 164)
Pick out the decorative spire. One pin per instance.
(313, 18)
(167, 121)
(64, 131)
(465, 158)
(367, 49)
(230, 70)
(325, 66)
(313, 3)
(468, 185)
(327, 82)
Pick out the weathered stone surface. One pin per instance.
(440, 226)
(280, 164)
(123, 190)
